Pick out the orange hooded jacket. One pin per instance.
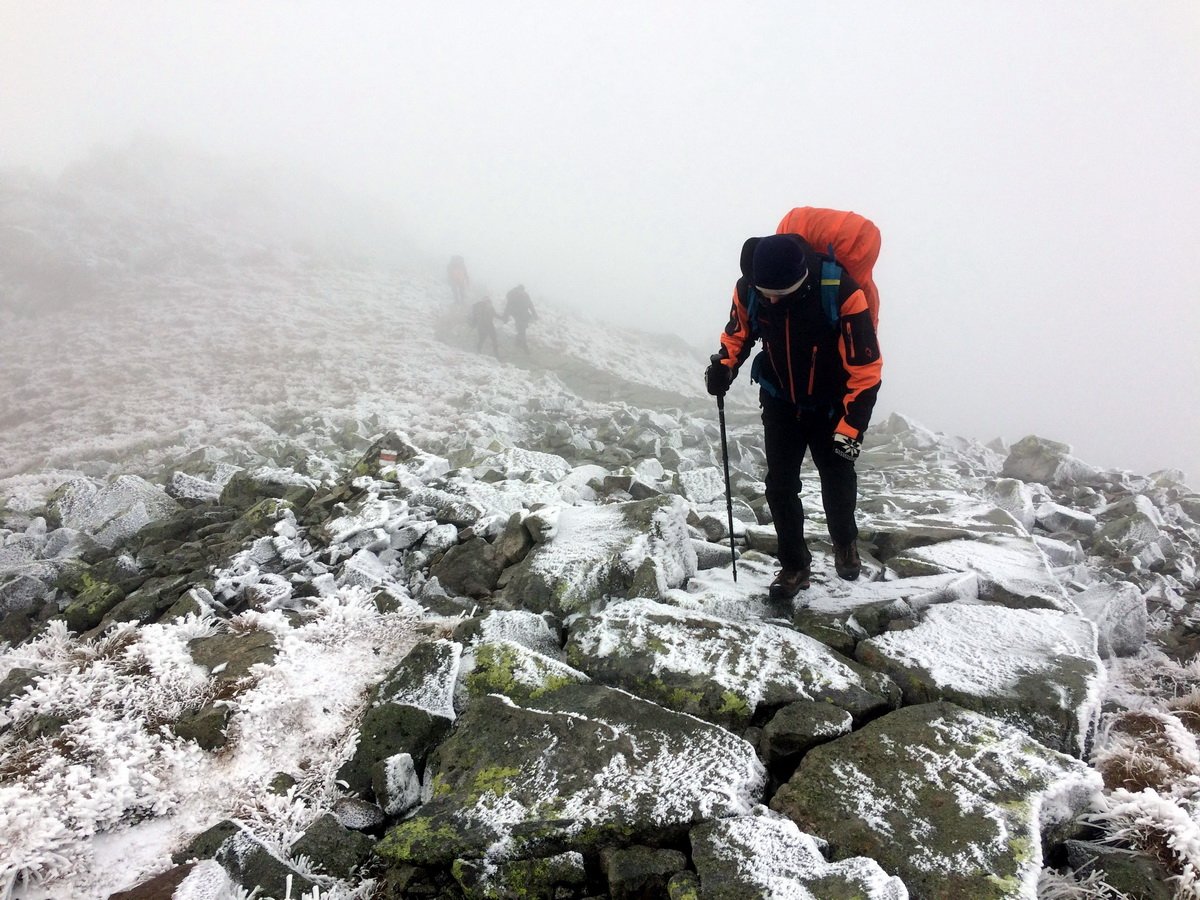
(807, 360)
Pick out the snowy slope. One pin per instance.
(290, 362)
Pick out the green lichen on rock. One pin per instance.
(493, 780)
(734, 705)
(505, 667)
(609, 753)
(410, 841)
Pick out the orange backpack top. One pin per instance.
(854, 241)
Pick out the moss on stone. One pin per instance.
(440, 787)
(735, 705)
(493, 779)
(401, 843)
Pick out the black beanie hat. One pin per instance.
(747, 261)
(780, 261)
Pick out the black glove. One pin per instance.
(717, 378)
(846, 447)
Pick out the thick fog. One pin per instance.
(1034, 168)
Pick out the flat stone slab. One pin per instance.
(1012, 570)
(768, 856)
(578, 768)
(953, 802)
(1036, 669)
(716, 668)
(841, 613)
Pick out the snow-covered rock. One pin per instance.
(954, 803)
(580, 766)
(1036, 669)
(718, 669)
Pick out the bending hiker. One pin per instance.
(518, 305)
(483, 320)
(818, 373)
(456, 273)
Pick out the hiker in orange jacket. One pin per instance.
(819, 373)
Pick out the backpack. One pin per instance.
(852, 240)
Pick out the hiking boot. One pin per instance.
(846, 561)
(788, 583)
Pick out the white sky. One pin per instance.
(1034, 166)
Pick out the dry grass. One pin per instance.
(27, 757)
(1186, 708)
(1146, 749)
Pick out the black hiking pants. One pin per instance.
(787, 436)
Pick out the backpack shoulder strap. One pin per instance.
(831, 286)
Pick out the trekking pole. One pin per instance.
(728, 495)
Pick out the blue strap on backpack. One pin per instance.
(831, 287)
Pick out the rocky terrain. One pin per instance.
(298, 595)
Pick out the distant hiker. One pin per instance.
(519, 307)
(483, 320)
(818, 373)
(456, 272)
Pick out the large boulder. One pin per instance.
(954, 803)
(1120, 615)
(1042, 461)
(470, 569)
(1034, 668)
(109, 513)
(768, 856)
(641, 548)
(576, 769)
(720, 670)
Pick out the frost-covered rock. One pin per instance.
(799, 727)
(112, 512)
(1036, 459)
(471, 568)
(641, 548)
(251, 864)
(525, 465)
(332, 849)
(768, 856)
(482, 879)
(841, 613)
(410, 712)
(574, 770)
(1060, 553)
(1015, 497)
(425, 678)
(1012, 570)
(1054, 517)
(954, 803)
(1119, 613)
(702, 486)
(1036, 669)
(396, 784)
(718, 669)
(506, 667)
